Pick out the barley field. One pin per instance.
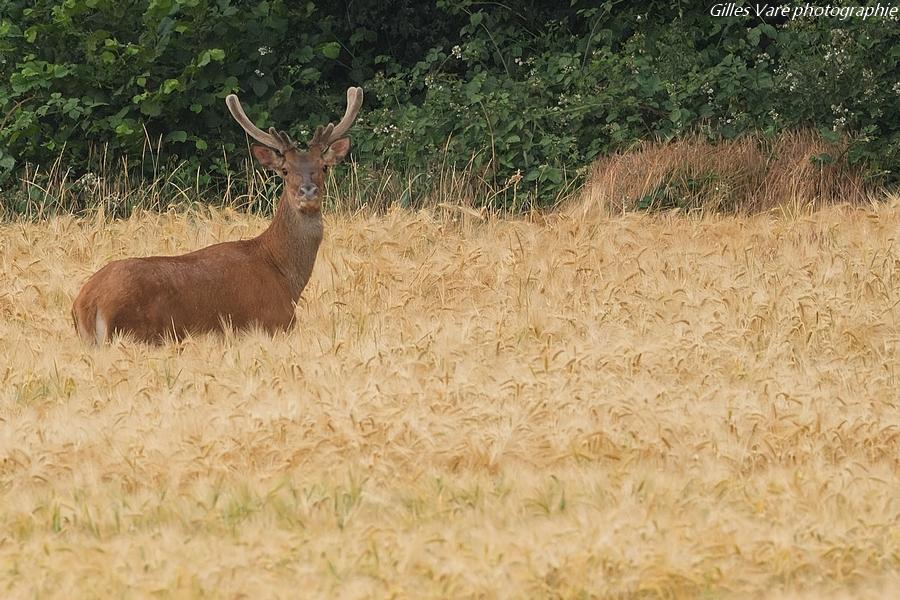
(566, 406)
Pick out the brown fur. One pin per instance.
(246, 283)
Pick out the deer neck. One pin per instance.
(291, 243)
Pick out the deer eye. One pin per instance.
(284, 171)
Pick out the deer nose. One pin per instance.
(309, 189)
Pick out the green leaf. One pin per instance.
(821, 160)
(331, 50)
(832, 137)
(552, 174)
(231, 84)
(151, 108)
(260, 87)
(214, 54)
(309, 75)
(753, 36)
(176, 136)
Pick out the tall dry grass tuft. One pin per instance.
(744, 175)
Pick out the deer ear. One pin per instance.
(267, 157)
(337, 151)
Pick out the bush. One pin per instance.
(523, 96)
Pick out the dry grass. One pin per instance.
(119, 187)
(637, 406)
(745, 175)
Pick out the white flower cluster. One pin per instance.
(390, 130)
(263, 50)
(839, 57)
(838, 54)
(867, 80)
(456, 51)
(789, 78)
(896, 88)
(88, 181)
(793, 85)
(431, 82)
(840, 116)
(565, 100)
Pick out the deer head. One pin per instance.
(303, 172)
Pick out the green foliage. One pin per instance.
(85, 74)
(524, 95)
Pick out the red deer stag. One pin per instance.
(244, 283)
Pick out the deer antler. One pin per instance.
(278, 140)
(327, 135)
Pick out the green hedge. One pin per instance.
(526, 90)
